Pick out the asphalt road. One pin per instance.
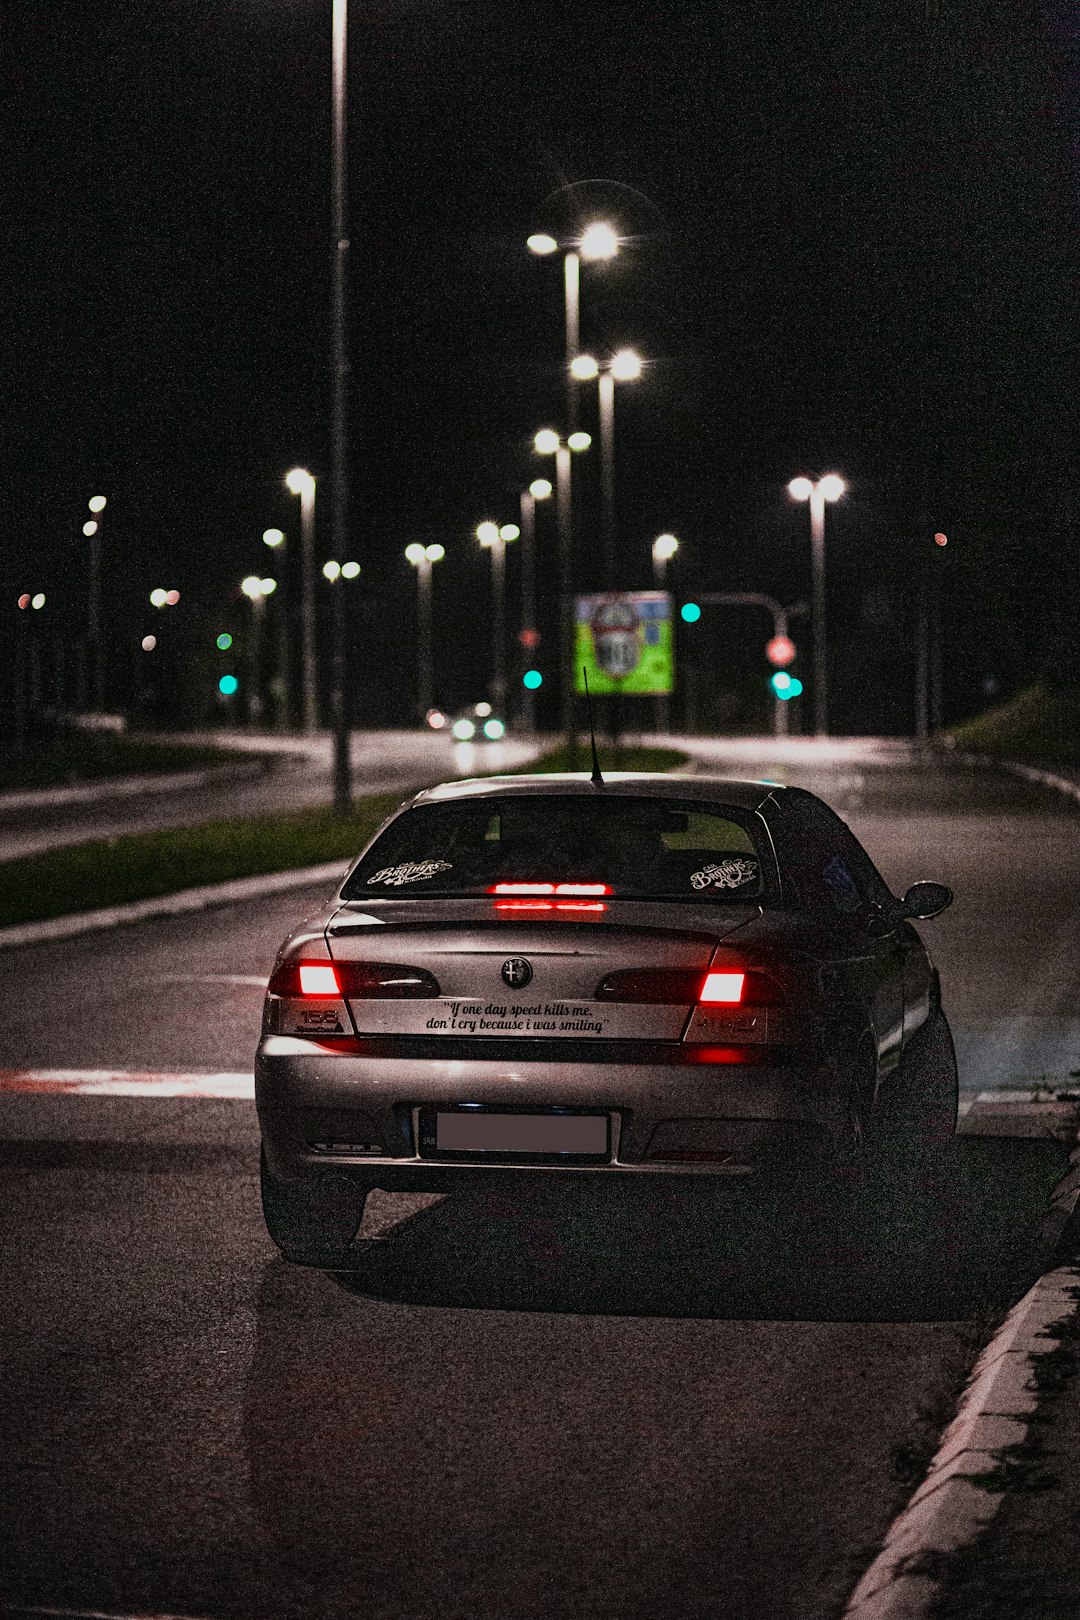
(541, 1410)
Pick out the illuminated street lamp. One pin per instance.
(548, 443)
(495, 537)
(664, 548)
(422, 557)
(256, 590)
(597, 241)
(281, 685)
(300, 482)
(624, 366)
(539, 490)
(92, 529)
(829, 488)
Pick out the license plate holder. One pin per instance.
(519, 1135)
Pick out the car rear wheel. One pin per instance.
(919, 1120)
(312, 1225)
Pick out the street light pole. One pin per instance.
(339, 471)
(829, 488)
(92, 529)
(664, 548)
(422, 558)
(538, 490)
(301, 483)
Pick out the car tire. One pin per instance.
(920, 1112)
(312, 1225)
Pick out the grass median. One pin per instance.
(143, 866)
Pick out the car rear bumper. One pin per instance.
(369, 1107)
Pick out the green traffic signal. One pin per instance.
(690, 612)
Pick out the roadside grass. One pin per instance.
(1041, 725)
(632, 757)
(66, 757)
(142, 866)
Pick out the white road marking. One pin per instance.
(259, 980)
(129, 1083)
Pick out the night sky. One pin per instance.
(851, 246)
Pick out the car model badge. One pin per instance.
(516, 972)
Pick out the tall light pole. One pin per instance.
(274, 538)
(539, 490)
(494, 537)
(92, 530)
(300, 482)
(339, 470)
(664, 548)
(597, 241)
(256, 590)
(829, 488)
(422, 558)
(624, 366)
(548, 443)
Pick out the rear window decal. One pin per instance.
(409, 872)
(730, 874)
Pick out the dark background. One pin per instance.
(851, 247)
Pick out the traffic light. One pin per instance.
(532, 679)
(228, 685)
(690, 612)
(785, 686)
(224, 641)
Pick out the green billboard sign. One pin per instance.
(625, 643)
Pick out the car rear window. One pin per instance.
(636, 847)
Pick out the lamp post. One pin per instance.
(422, 558)
(624, 366)
(92, 530)
(829, 488)
(548, 443)
(539, 490)
(597, 241)
(494, 537)
(256, 590)
(339, 360)
(300, 482)
(282, 686)
(664, 548)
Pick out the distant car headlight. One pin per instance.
(463, 730)
(494, 729)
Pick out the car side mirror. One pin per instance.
(925, 900)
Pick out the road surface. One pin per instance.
(528, 1411)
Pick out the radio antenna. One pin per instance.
(596, 778)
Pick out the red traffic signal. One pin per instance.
(780, 650)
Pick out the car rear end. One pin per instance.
(553, 1019)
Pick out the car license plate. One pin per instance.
(466, 1131)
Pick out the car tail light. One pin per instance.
(746, 987)
(550, 888)
(550, 905)
(318, 979)
(355, 981)
(726, 987)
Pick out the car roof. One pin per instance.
(713, 789)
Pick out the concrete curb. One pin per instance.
(949, 1509)
(1015, 767)
(170, 905)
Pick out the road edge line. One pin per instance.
(949, 1509)
(49, 929)
(1013, 767)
